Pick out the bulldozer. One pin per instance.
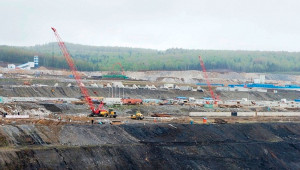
(138, 116)
(104, 113)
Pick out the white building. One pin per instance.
(262, 79)
(186, 88)
(112, 101)
(256, 81)
(168, 86)
(11, 66)
(36, 61)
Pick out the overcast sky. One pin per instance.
(158, 24)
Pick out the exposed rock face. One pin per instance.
(151, 146)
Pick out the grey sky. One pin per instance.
(158, 24)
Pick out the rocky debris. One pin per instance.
(94, 135)
(220, 121)
(52, 107)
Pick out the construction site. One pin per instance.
(69, 119)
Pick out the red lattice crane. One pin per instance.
(76, 75)
(207, 80)
(123, 73)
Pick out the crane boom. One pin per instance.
(206, 78)
(123, 73)
(74, 71)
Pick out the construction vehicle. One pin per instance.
(132, 101)
(95, 111)
(123, 73)
(104, 113)
(207, 81)
(138, 116)
(26, 83)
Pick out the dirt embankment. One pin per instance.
(151, 146)
(192, 76)
(140, 93)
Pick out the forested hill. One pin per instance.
(93, 58)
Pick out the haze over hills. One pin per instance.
(95, 58)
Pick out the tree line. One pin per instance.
(98, 58)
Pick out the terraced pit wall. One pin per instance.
(151, 146)
(64, 92)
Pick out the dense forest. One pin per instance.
(94, 58)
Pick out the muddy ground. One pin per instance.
(45, 109)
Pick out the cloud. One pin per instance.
(196, 24)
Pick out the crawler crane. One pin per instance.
(99, 111)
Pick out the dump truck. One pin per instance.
(138, 116)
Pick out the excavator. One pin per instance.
(138, 116)
(100, 111)
(104, 113)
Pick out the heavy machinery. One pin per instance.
(95, 111)
(138, 116)
(26, 83)
(132, 101)
(123, 72)
(207, 80)
(104, 113)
